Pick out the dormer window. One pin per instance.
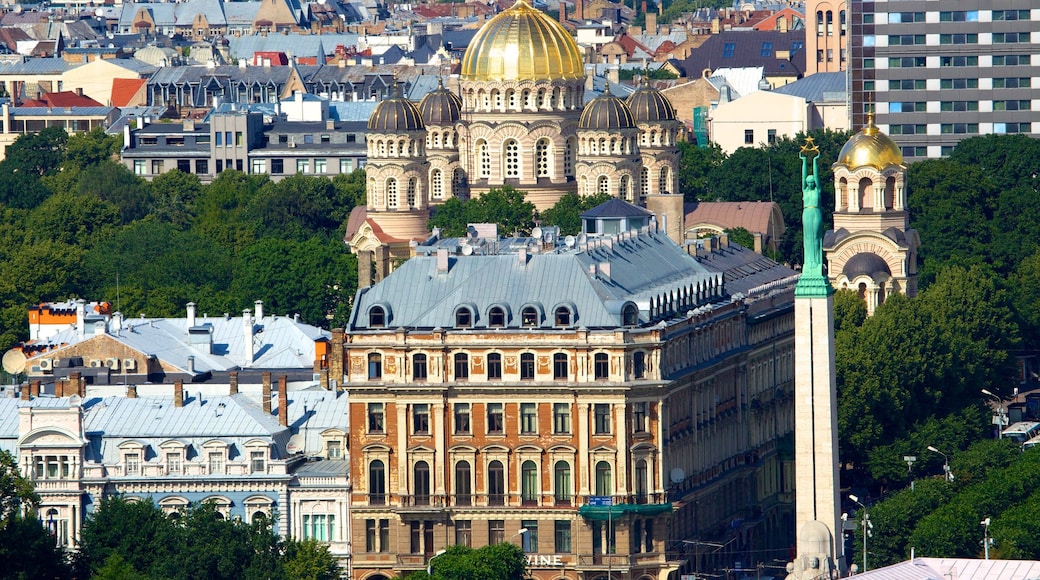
(529, 316)
(630, 315)
(377, 317)
(563, 316)
(463, 318)
(496, 317)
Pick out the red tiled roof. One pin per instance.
(61, 100)
(754, 216)
(124, 90)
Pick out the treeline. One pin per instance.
(77, 223)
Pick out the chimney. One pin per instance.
(522, 254)
(131, 391)
(442, 260)
(283, 402)
(336, 355)
(77, 383)
(758, 242)
(723, 240)
(604, 270)
(579, 11)
(117, 322)
(247, 337)
(178, 393)
(25, 392)
(59, 388)
(563, 12)
(191, 314)
(258, 309)
(330, 124)
(191, 364)
(265, 392)
(614, 75)
(81, 317)
(233, 383)
(323, 379)
(651, 22)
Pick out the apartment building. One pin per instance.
(938, 71)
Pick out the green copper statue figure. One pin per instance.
(812, 281)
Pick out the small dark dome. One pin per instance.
(864, 263)
(440, 107)
(395, 115)
(648, 105)
(606, 112)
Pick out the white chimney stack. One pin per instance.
(258, 307)
(191, 314)
(81, 317)
(247, 336)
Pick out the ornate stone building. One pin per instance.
(519, 119)
(595, 400)
(872, 249)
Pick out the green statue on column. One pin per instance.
(812, 282)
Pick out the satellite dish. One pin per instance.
(536, 232)
(467, 250)
(75, 400)
(17, 8)
(14, 361)
(677, 475)
(582, 238)
(99, 12)
(296, 444)
(569, 241)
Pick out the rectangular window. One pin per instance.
(749, 136)
(238, 138)
(530, 539)
(384, 536)
(303, 166)
(371, 536)
(227, 138)
(421, 419)
(771, 136)
(140, 167)
(202, 166)
(216, 463)
(1010, 37)
(277, 166)
(462, 426)
(561, 418)
(959, 106)
(419, 370)
(464, 533)
(133, 465)
(959, 39)
(375, 418)
(320, 527)
(256, 462)
(321, 166)
(969, 83)
(528, 418)
(157, 166)
(601, 423)
(238, 164)
(495, 419)
(173, 463)
(1008, 83)
(334, 449)
(308, 139)
(326, 138)
(729, 49)
(1010, 15)
(494, 366)
(767, 49)
(962, 61)
(496, 531)
(563, 537)
(259, 166)
(346, 165)
(639, 417)
(184, 165)
(526, 367)
(218, 139)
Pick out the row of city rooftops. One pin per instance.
(621, 272)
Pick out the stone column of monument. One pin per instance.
(817, 507)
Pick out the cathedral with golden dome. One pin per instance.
(519, 118)
(871, 249)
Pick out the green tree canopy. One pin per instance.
(566, 214)
(504, 206)
(502, 561)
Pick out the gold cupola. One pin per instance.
(522, 44)
(870, 147)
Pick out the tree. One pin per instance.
(174, 194)
(566, 214)
(91, 148)
(503, 206)
(310, 560)
(695, 167)
(502, 561)
(131, 530)
(27, 549)
(295, 207)
(114, 183)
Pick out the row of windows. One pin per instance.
(257, 166)
(952, 16)
(602, 423)
(559, 97)
(907, 62)
(825, 23)
(497, 316)
(530, 490)
(511, 158)
(560, 366)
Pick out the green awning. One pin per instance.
(603, 513)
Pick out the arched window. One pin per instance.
(563, 316)
(639, 365)
(456, 182)
(819, 23)
(375, 366)
(890, 193)
(484, 153)
(623, 188)
(496, 483)
(603, 185)
(527, 366)
(511, 158)
(644, 181)
(630, 315)
(529, 483)
(377, 317)
(496, 317)
(463, 483)
(604, 481)
(562, 480)
(437, 184)
(391, 193)
(663, 181)
(529, 316)
(583, 189)
(641, 483)
(421, 482)
(412, 186)
(393, 149)
(463, 317)
(376, 483)
(541, 158)
(601, 366)
(866, 194)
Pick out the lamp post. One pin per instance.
(985, 536)
(1001, 418)
(429, 563)
(697, 555)
(946, 463)
(867, 527)
(519, 533)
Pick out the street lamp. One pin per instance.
(867, 527)
(946, 463)
(520, 533)
(1001, 418)
(697, 555)
(429, 563)
(985, 536)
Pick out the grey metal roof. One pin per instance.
(616, 208)
(743, 269)
(959, 568)
(61, 111)
(35, 66)
(818, 87)
(641, 267)
(294, 44)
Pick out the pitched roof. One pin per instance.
(124, 90)
(738, 48)
(61, 99)
(817, 88)
(959, 568)
(754, 216)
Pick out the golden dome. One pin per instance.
(522, 44)
(870, 147)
